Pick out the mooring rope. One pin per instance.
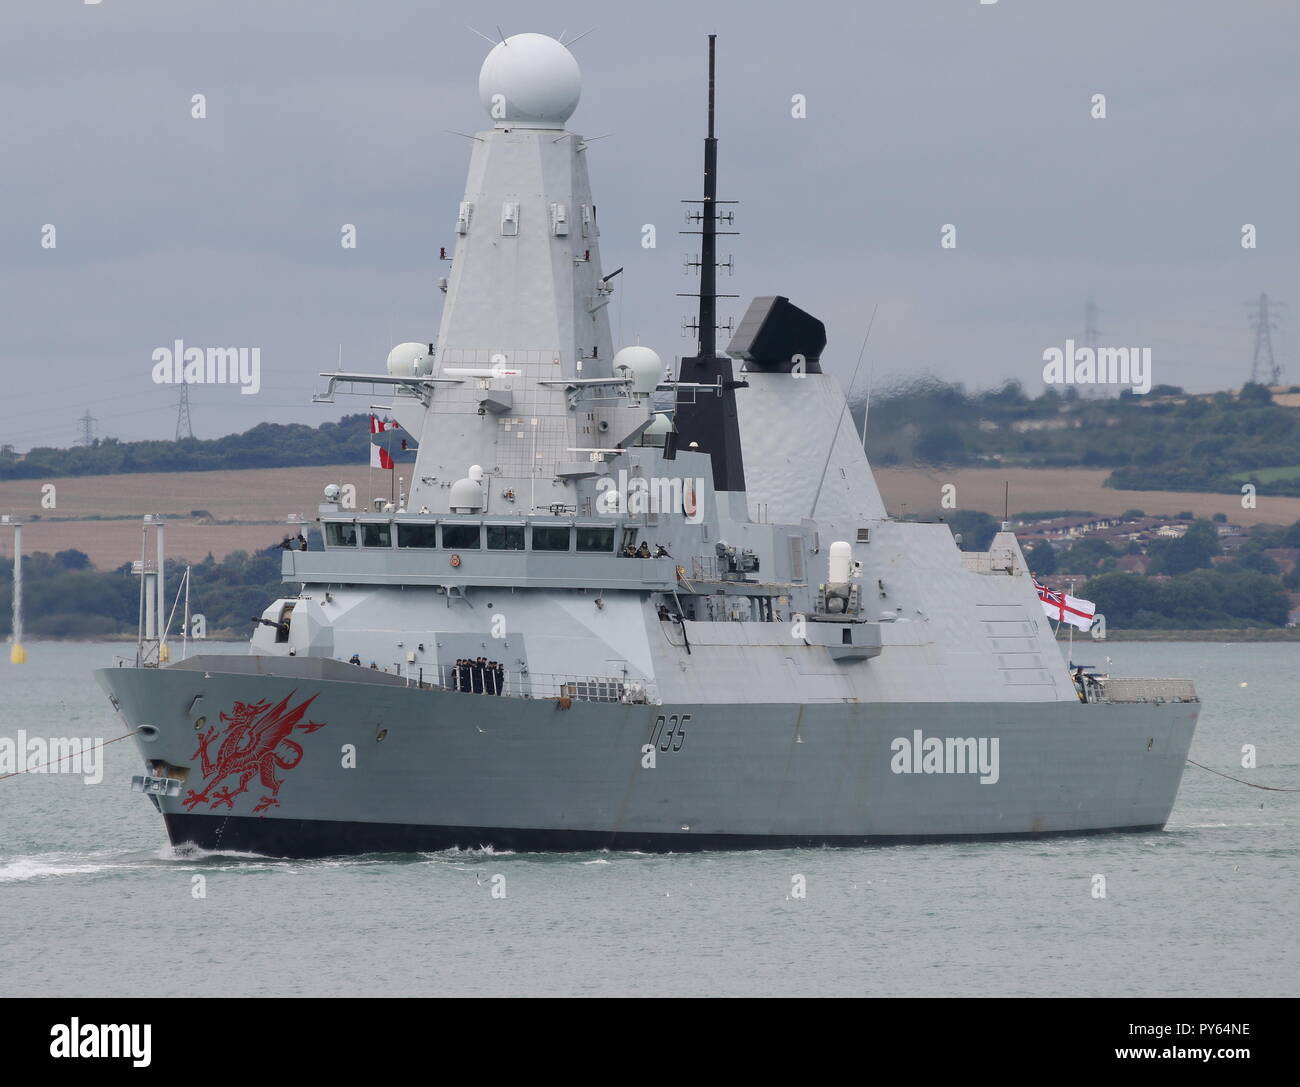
(74, 755)
(1253, 785)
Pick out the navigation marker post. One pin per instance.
(163, 653)
(17, 654)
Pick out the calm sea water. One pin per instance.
(94, 903)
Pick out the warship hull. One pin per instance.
(706, 629)
(374, 766)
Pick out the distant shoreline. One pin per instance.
(246, 509)
(1285, 634)
(1262, 634)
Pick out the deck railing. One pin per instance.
(518, 683)
(1125, 689)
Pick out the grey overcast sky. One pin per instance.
(225, 231)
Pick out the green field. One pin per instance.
(1270, 475)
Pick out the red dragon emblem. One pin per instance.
(255, 743)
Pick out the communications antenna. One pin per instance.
(1091, 337)
(705, 325)
(184, 428)
(87, 422)
(1263, 366)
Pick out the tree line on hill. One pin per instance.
(65, 597)
(1160, 441)
(1184, 589)
(267, 445)
(1194, 550)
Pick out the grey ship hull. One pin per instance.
(465, 770)
(785, 639)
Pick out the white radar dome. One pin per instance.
(530, 81)
(641, 364)
(467, 494)
(410, 360)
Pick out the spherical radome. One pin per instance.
(537, 81)
(466, 496)
(409, 360)
(643, 365)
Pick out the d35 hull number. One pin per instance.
(669, 733)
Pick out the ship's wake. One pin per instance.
(58, 864)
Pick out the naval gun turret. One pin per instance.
(839, 594)
(735, 562)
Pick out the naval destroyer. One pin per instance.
(625, 605)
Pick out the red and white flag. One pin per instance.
(379, 456)
(1064, 608)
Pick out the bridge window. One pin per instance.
(595, 539)
(377, 535)
(505, 537)
(417, 535)
(340, 535)
(550, 538)
(460, 537)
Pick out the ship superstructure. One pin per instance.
(593, 620)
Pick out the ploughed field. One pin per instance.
(918, 490)
(248, 509)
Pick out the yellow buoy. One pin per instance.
(17, 654)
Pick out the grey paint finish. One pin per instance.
(476, 760)
(738, 638)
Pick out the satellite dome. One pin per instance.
(467, 494)
(410, 360)
(641, 364)
(537, 81)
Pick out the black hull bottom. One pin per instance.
(306, 838)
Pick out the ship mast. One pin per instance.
(708, 423)
(708, 330)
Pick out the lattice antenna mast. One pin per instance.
(706, 325)
(184, 426)
(1091, 337)
(1263, 366)
(87, 422)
